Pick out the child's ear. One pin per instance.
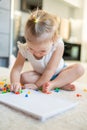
(52, 41)
(55, 36)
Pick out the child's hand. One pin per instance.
(15, 87)
(46, 88)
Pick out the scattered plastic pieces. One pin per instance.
(19, 92)
(85, 90)
(78, 95)
(26, 95)
(5, 88)
(29, 92)
(57, 90)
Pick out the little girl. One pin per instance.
(44, 50)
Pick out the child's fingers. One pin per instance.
(17, 88)
(11, 88)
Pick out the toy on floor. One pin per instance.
(38, 105)
(18, 92)
(1, 84)
(57, 90)
(85, 90)
(78, 95)
(5, 88)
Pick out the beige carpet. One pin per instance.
(74, 119)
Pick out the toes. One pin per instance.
(73, 87)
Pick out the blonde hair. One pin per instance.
(41, 22)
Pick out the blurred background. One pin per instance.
(73, 26)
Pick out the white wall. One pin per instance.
(57, 7)
(84, 33)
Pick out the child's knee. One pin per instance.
(79, 69)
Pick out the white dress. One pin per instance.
(40, 65)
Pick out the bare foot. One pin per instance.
(69, 87)
(30, 86)
(46, 88)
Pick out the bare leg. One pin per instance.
(29, 78)
(65, 78)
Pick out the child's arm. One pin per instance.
(52, 65)
(15, 73)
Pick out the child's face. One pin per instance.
(39, 48)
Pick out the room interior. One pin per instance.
(73, 29)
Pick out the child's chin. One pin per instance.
(38, 57)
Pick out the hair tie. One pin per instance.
(36, 20)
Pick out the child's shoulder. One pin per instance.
(58, 42)
(22, 45)
(22, 48)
